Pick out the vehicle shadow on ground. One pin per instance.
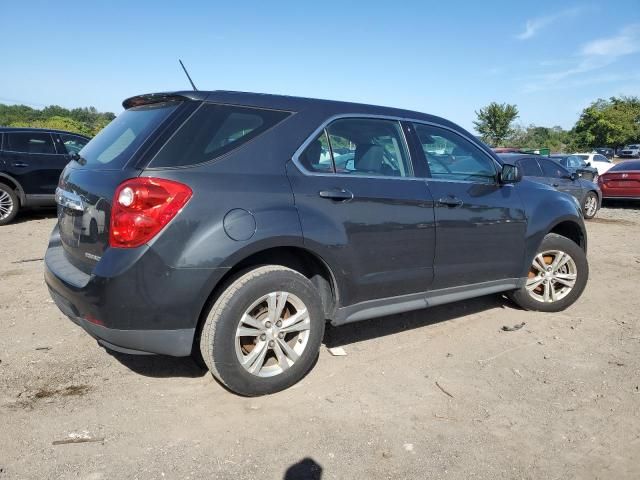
(35, 214)
(621, 204)
(158, 366)
(390, 325)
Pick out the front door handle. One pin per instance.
(19, 164)
(450, 202)
(338, 194)
(555, 185)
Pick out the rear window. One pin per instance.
(114, 146)
(625, 166)
(214, 130)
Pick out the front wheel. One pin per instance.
(264, 331)
(557, 276)
(590, 205)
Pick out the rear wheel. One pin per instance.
(590, 205)
(557, 276)
(263, 333)
(9, 204)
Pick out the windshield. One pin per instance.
(117, 142)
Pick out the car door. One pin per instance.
(362, 209)
(32, 159)
(559, 177)
(480, 224)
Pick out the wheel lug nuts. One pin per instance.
(279, 323)
(263, 337)
(271, 343)
(267, 324)
(281, 335)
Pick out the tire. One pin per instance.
(246, 306)
(9, 204)
(540, 298)
(590, 205)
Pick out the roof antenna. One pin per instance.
(187, 74)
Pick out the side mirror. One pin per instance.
(574, 176)
(588, 164)
(510, 174)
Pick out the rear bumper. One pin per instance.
(134, 303)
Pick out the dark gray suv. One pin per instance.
(234, 225)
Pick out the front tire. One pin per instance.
(264, 331)
(9, 204)
(590, 205)
(557, 276)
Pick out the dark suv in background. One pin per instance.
(31, 161)
(236, 224)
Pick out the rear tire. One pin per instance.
(557, 277)
(590, 205)
(264, 331)
(9, 204)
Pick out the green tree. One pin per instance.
(494, 122)
(613, 123)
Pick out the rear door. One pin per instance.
(363, 210)
(32, 159)
(559, 177)
(480, 224)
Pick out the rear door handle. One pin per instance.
(450, 202)
(19, 164)
(338, 194)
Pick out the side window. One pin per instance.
(530, 167)
(364, 146)
(29, 142)
(214, 130)
(72, 143)
(452, 157)
(317, 156)
(574, 162)
(601, 158)
(552, 169)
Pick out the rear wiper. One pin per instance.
(78, 158)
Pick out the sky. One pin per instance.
(551, 59)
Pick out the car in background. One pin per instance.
(31, 160)
(622, 181)
(630, 151)
(606, 151)
(544, 170)
(600, 162)
(574, 163)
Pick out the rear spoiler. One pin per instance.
(150, 98)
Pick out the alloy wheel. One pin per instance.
(552, 276)
(6, 205)
(272, 334)
(590, 206)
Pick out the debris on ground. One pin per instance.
(337, 351)
(506, 328)
(443, 390)
(82, 437)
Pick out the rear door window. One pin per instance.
(530, 167)
(73, 143)
(29, 142)
(214, 130)
(114, 146)
(552, 169)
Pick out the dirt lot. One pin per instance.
(440, 393)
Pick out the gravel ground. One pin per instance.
(439, 393)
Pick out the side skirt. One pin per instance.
(416, 301)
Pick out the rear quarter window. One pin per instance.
(214, 130)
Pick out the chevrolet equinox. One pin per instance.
(234, 225)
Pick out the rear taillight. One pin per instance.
(142, 207)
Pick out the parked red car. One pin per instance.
(621, 181)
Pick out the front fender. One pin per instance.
(548, 211)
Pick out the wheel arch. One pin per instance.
(297, 258)
(13, 183)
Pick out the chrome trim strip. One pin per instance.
(69, 200)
